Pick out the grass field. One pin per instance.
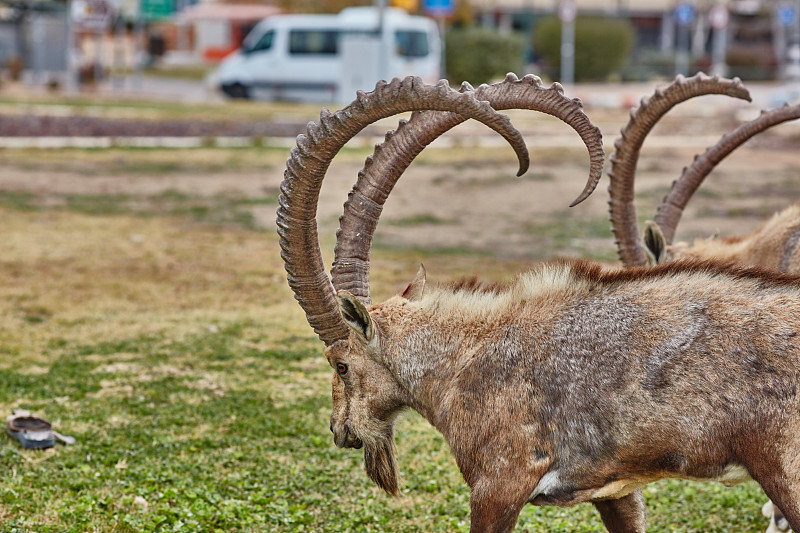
(173, 351)
(160, 332)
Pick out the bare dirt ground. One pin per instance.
(462, 194)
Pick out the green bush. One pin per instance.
(601, 46)
(480, 55)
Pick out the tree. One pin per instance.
(480, 55)
(602, 45)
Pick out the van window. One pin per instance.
(411, 43)
(264, 43)
(306, 42)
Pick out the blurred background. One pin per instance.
(176, 46)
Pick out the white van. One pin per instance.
(328, 57)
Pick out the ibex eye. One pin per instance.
(341, 368)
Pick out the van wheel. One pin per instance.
(236, 90)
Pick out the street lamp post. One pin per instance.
(567, 12)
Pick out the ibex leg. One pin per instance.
(782, 485)
(786, 504)
(623, 515)
(495, 510)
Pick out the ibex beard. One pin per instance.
(579, 383)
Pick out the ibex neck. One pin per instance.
(427, 360)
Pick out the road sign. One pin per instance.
(156, 9)
(684, 14)
(439, 8)
(786, 13)
(718, 16)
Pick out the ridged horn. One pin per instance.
(309, 161)
(628, 145)
(384, 168)
(672, 206)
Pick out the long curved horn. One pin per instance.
(671, 208)
(383, 169)
(628, 145)
(309, 161)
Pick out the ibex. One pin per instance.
(773, 245)
(577, 383)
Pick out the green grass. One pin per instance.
(228, 208)
(125, 161)
(566, 234)
(189, 72)
(227, 430)
(114, 106)
(422, 219)
(200, 399)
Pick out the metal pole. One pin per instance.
(684, 16)
(568, 52)
(72, 74)
(443, 70)
(383, 53)
(682, 52)
(718, 65)
(719, 18)
(567, 12)
(138, 47)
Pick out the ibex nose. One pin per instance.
(340, 439)
(345, 437)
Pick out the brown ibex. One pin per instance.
(576, 383)
(773, 245)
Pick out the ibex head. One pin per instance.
(366, 396)
(366, 399)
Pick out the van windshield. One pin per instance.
(305, 42)
(411, 43)
(264, 43)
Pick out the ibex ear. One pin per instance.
(417, 287)
(655, 245)
(355, 315)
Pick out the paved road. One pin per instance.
(183, 90)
